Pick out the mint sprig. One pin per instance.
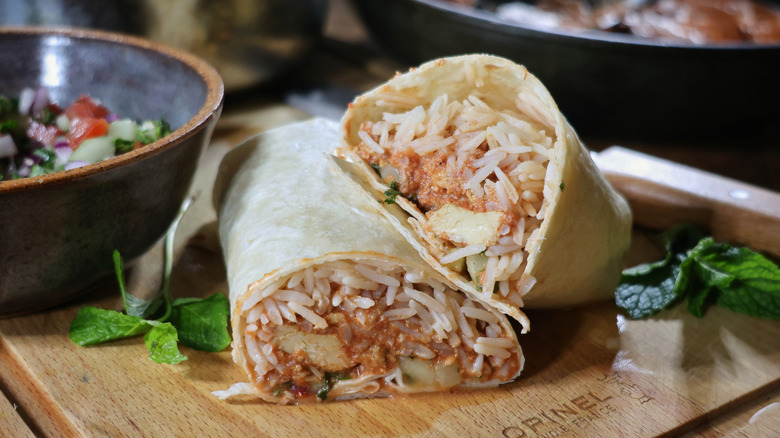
(93, 326)
(202, 323)
(703, 272)
(198, 323)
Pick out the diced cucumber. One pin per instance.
(417, 371)
(423, 372)
(124, 129)
(94, 149)
(475, 264)
(457, 265)
(63, 122)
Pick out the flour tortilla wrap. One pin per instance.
(328, 300)
(496, 190)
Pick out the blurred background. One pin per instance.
(700, 87)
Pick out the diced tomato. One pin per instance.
(137, 145)
(42, 133)
(84, 107)
(299, 391)
(82, 129)
(54, 108)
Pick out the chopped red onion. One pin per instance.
(113, 117)
(76, 164)
(25, 167)
(40, 102)
(61, 142)
(62, 151)
(7, 146)
(26, 98)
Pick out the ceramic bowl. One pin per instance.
(58, 231)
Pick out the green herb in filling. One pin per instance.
(391, 193)
(328, 380)
(282, 387)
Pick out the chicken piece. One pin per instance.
(324, 351)
(465, 227)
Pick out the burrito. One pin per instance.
(328, 300)
(480, 171)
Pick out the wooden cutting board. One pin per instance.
(589, 371)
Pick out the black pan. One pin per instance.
(608, 85)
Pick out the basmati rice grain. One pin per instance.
(477, 313)
(318, 321)
(397, 314)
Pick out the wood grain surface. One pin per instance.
(589, 370)
(663, 194)
(11, 423)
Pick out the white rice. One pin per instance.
(507, 151)
(396, 314)
(294, 296)
(363, 303)
(490, 350)
(462, 253)
(430, 318)
(477, 313)
(373, 275)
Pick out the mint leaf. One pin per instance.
(202, 323)
(161, 342)
(746, 281)
(92, 326)
(133, 305)
(646, 289)
(704, 273)
(689, 282)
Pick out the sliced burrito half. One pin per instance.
(478, 168)
(328, 300)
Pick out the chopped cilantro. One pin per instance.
(562, 186)
(36, 170)
(8, 105)
(123, 146)
(48, 159)
(328, 380)
(391, 193)
(48, 116)
(282, 387)
(152, 130)
(9, 125)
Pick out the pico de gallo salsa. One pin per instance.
(39, 137)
